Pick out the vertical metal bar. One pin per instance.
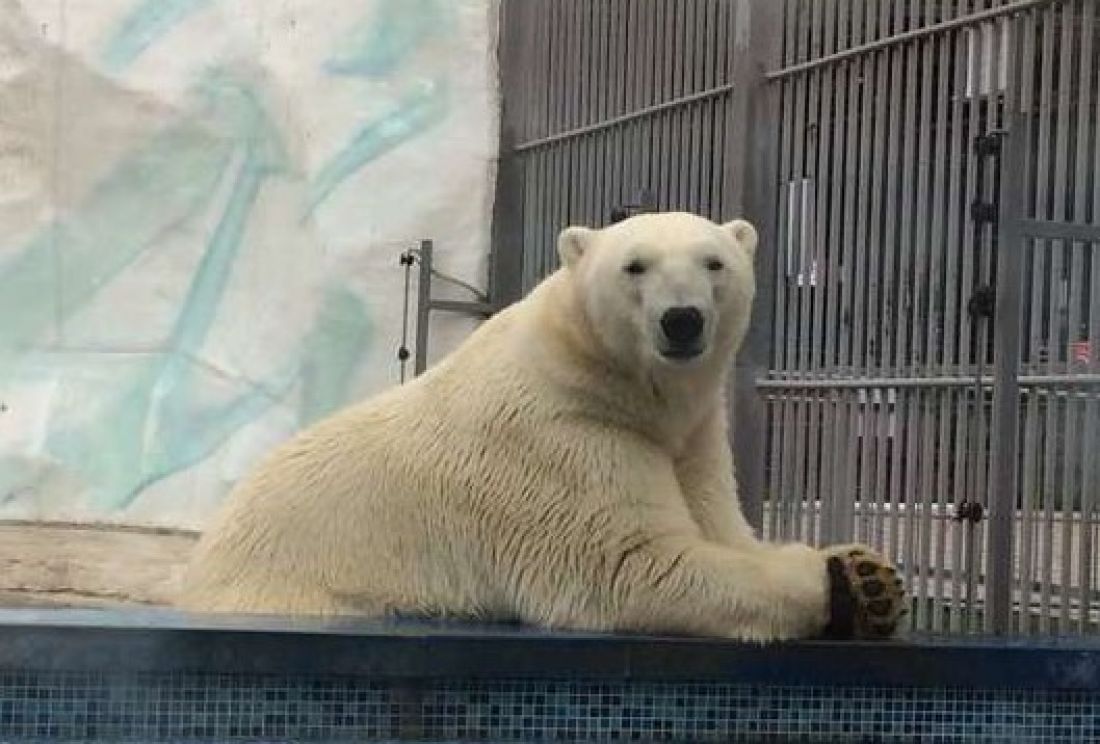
(706, 74)
(890, 239)
(603, 108)
(792, 451)
(645, 97)
(788, 229)
(559, 199)
(1008, 330)
(530, 186)
(1028, 505)
(861, 140)
(683, 114)
(525, 53)
(829, 183)
(1091, 492)
(907, 283)
(849, 144)
(807, 345)
(698, 151)
(677, 154)
(554, 123)
(536, 77)
(756, 48)
(664, 93)
(1035, 424)
(534, 94)
(825, 414)
(556, 63)
(423, 307)
(728, 117)
(796, 309)
(632, 152)
(1054, 270)
(1084, 403)
(1032, 443)
(618, 82)
(1062, 173)
(934, 553)
(779, 457)
(928, 217)
(585, 211)
(875, 245)
(507, 227)
(573, 95)
(600, 207)
(972, 349)
(839, 281)
(954, 311)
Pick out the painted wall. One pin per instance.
(202, 204)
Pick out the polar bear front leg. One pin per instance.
(866, 597)
(756, 591)
(694, 586)
(704, 470)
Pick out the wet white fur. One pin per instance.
(553, 469)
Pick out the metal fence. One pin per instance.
(920, 141)
(614, 103)
(925, 365)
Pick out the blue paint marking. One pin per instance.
(147, 23)
(75, 257)
(336, 343)
(374, 49)
(154, 425)
(155, 428)
(415, 113)
(378, 46)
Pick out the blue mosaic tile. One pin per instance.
(81, 707)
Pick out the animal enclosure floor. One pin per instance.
(68, 565)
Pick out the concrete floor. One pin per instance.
(62, 565)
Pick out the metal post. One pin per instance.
(751, 189)
(423, 306)
(1008, 325)
(507, 251)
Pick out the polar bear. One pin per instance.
(567, 466)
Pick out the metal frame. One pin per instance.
(907, 36)
(887, 421)
(843, 129)
(425, 305)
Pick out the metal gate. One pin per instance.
(621, 105)
(613, 104)
(919, 141)
(923, 370)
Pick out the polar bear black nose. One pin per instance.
(682, 325)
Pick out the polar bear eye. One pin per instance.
(635, 267)
(715, 264)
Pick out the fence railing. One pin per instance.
(924, 368)
(935, 379)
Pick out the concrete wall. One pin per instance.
(202, 203)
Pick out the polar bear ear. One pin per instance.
(744, 234)
(572, 244)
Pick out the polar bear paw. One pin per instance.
(867, 598)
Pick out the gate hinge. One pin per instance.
(989, 144)
(983, 302)
(983, 212)
(969, 511)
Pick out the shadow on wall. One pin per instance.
(119, 365)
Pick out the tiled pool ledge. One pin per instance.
(162, 641)
(159, 676)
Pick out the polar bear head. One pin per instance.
(664, 290)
